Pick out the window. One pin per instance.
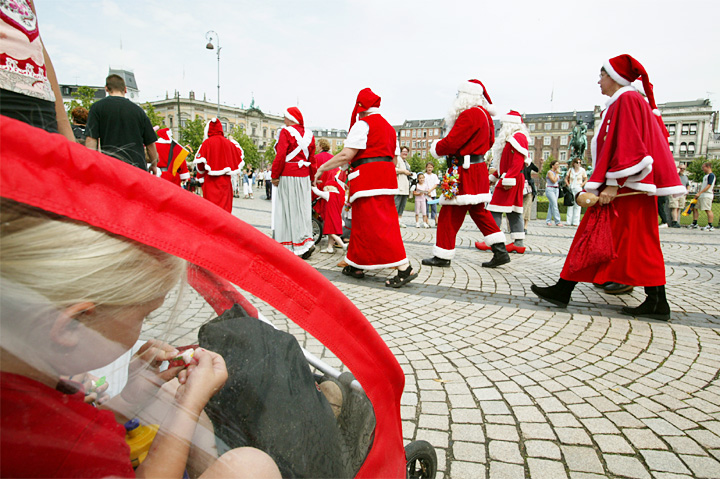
(254, 131)
(530, 155)
(170, 119)
(547, 126)
(563, 156)
(414, 145)
(437, 132)
(424, 133)
(672, 148)
(685, 129)
(691, 148)
(546, 155)
(565, 125)
(531, 126)
(693, 128)
(413, 133)
(547, 140)
(423, 153)
(532, 141)
(683, 148)
(564, 140)
(671, 129)
(264, 132)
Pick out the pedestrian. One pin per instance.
(432, 180)
(677, 204)
(552, 191)
(217, 159)
(421, 195)
(575, 178)
(631, 155)
(511, 153)
(292, 170)
(120, 128)
(402, 169)
(268, 184)
(324, 155)
(370, 149)
(471, 134)
(704, 197)
(79, 122)
(172, 165)
(529, 192)
(333, 194)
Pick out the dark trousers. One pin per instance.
(268, 189)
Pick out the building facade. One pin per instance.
(692, 126)
(335, 137)
(418, 135)
(550, 134)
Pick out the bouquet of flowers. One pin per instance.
(449, 184)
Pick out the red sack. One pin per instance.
(595, 243)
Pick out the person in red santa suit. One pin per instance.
(510, 157)
(218, 158)
(630, 155)
(370, 149)
(292, 170)
(333, 196)
(171, 158)
(471, 134)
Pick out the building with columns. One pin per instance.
(692, 126)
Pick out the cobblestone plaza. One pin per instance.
(506, 386)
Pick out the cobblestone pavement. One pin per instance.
(505, 386)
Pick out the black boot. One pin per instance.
(655, 305)
(558, 294)
(435, 261)
(500, 256)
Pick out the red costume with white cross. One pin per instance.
(375, 241)
(630, 150)
(171, 158)
(295, 150)
(218, 158)
(470, 137)
(508, 194)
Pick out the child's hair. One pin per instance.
(69, 262)
(420, 175)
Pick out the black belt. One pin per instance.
(363, 161)
(473, 158)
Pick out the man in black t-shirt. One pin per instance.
(122, 128)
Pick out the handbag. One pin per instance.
(568, 197)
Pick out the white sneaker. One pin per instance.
(694, 226)
(417, 225)
(402, 225)
(707, 228)
(425, 225)
(663, 225)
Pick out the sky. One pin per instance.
(533, 56)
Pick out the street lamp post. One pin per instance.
(209, 36)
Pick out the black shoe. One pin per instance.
(655, 305)
(402, 278)
(675, 224)
(353, 272)
(500, 256)
(557, 294)
(308, 253)
(617, 288)
(435, 261)
(602, 285)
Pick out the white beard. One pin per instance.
(506, 131)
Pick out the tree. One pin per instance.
(84, 96)
(252, 156)
(338, 149)
(546, 166)
(269, 154)
(695, 171)
(155, 119)
(418, 163)
(193, 132)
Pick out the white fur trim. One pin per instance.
(516, 145)
(322, 194)
(611, 182)
(637, 168)
(675, 191)
(448, 254)
(290, 117)
(353, 175)
(615, 75)
(471, 88)
(648, 188)
(184, 176)
(508, 181)
(463, 200)
(495, 238)
(511, 119)
(656, 112)
(493, 178)
(517, 236)
(378, 192)
(201, 180)
(614, 98)
(528, 160)
(504, 209)
(433, 149)
(593, 187)
(376, 266)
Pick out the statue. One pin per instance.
(578, 140)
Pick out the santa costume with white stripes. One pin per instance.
(375, 242)
(171, 158)
(294, 166)
(218, 158)
(510, 154)
(471, 135)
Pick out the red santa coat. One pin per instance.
(375, 242)
(630, 150)
(217, 159)
(510, 174)
(170, 153)
(333, 201)
(472, 134)
(294, 153)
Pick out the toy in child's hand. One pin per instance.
(185, 359)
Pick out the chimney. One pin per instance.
(192, 95)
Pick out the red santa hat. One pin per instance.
(366, 99)
(474, 87)
(624, 69)
(293, 114)
(212, 128)
(513, 117)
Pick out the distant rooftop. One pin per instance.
(126, 75)
(423, 123)
(686, 104)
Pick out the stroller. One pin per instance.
(223, 252)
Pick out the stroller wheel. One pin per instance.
(421, 460)
(317, 230)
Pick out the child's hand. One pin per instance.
(198, 383)
(144, 376)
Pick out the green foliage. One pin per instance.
(192, 133)
(269, 154)
(155, 119)
(338, 150)
(546, 167)
(695, 171)
(84, 96)
(252, 156)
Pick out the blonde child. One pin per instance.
(421, 194)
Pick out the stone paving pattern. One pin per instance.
(505, 386)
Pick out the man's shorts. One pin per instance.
(677, 203)
(705, 203)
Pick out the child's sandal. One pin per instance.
(401, 279)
